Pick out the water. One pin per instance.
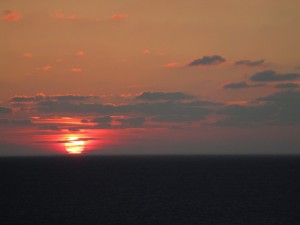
(151, 190)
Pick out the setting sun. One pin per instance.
(74, 145)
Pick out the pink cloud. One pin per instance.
(146, 51)
(62, 16)
(126, 95)
(46, 68)
(12, 16)
(171, 65)
(76, 70)
(119, 16)
(27, 55)
(80, 53)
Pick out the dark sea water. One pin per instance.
(151, 190)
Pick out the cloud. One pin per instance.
(72, 97)
(272, 76)
(171, 96)
(241, 85)
(146, 51)
(287, 85)
(207, 60)
(103, 119)
(27, 55)
(159, 111)
(42, 97)
(171, 65)
(238, 115)
(277, 109)
(49, 127)
(5, 110)
(132, 122)
(80, 53)
(15, 122)
(250, 63)
(119, 16)
(63, 16)
(76, 70)
(12, 16)
(46, 68)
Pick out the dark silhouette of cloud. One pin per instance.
(241, 85)
(238, 115)
(277, 109)
(22, 99)
(207, 60)
(103, 119)
(15, 122)
(287, 85)
(5, 110)
(49, 127)
(250, 63)
(160, 111)
(132, 122)
(172, 96)
(271, 75)
(40, 97)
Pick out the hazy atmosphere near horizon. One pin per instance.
(122, 77)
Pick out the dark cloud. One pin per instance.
(73, 97)
(207, 60)
(172, 96)
(5, 110)
(22, 99)
(277, 109)
(270, 75)
(15, 122)
(238, 115)
(49, 127)
(250, 63)
(41, 97)
(287, 85)
(73, 129)
(240, 85)
(70, 107)
(236, 85)
(160, 111)
(103, 119)
(132, 122)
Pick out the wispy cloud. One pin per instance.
(80, 53)
(12, 16)
(63, 16)
(5, 110)
(43, 97)
(174, 96)
(250, 63)
(76, 70)
(171, 65)
(287, 85)
(27, 55)
(119, 16)
(241, 85)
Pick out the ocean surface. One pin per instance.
(150, 190)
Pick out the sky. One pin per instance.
(149, 77)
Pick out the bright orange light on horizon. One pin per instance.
(74, 145)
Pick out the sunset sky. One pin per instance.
(149, 77)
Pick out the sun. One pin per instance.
(74, 145)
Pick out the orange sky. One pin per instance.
(187, 67)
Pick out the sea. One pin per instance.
(150, 190)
